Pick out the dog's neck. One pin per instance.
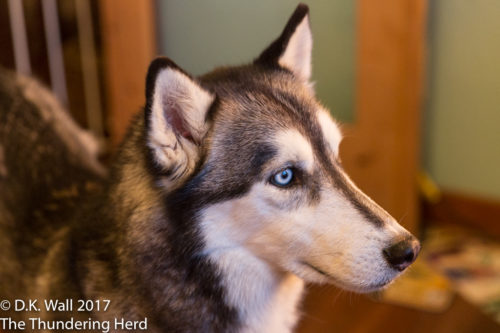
(266, 299)
(265, 296)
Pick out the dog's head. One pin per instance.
(257, 157)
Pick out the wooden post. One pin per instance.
(381, 150)
(129, 44)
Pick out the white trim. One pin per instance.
(54, 50)
(19, 37)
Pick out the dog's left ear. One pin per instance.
(293, 49)
(175, 118)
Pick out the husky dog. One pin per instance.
(226, 195)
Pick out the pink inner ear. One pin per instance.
(174, 118)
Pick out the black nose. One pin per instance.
(401, 254)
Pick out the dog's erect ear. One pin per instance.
(293, 48)
(176, 107)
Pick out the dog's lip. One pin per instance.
(370, 288)
(378, 285)
(318, 270)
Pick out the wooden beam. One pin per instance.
(129, 44)
(381, 151)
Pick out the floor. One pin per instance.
(328, 309)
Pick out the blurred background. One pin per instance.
(415, 83)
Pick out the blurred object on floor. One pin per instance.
(420, 288)
(470, 260)
(429, 190)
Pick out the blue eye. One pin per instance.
(283, 178)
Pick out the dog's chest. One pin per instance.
(277, 312)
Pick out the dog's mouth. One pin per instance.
(360, 289)
(322, 272)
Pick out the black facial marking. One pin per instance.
(335, 172)
(307, 122)
(209, 116)
(314, 186)
(288, 110)
(305, 118)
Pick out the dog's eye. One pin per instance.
(283, 178)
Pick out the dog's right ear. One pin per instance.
(176, 107)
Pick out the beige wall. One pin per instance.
(462, 126)
(202, 34)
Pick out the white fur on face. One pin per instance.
(265, 295)
(177, 93)
(293, 147)
(330, 129)
(297, 56)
